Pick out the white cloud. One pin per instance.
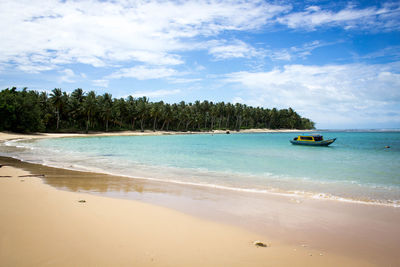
(157, 93)
(184, 80)
(282, 54)
(39, 35)
(101, 83)
(371, 18)
(143, 73)
(306, 49)
(332, 94)
(294, 52)
(313, 8)
(223, 49)
(392, 52)
(68, 76)
(199, 67)
(238, 99)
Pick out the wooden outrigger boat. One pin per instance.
(311, 140)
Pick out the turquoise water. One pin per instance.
(357, 167)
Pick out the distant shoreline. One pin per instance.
(12, 135)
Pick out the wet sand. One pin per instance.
(210, 227)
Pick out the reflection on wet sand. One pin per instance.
(78, 181)
(189, 199)
(175, 196)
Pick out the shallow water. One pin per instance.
(357, 167)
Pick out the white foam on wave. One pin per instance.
(13, 143)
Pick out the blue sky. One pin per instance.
(336, 62)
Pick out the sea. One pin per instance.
(360, 166)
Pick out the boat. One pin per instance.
(311, 140)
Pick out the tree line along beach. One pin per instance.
(33, 111)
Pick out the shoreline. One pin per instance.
(275, 192)
(297, 225)
(11, 135)
(45, 226)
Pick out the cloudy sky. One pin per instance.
(336, 62)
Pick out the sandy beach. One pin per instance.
(42, 225)
(9, 135)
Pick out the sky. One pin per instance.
(335, 62)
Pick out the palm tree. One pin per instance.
(197, 114)
(77, 109)
(78, 95)
(238, 114)
(274, 119)
(143, 103)
(155, 111)
(188, 115)
(167, 116)
(132, 110)
(180, 114)
(245, 116)
(106, 108)
(229, 112)
(214, 114)
(205, 110)
(119, 112)
(56, 100)
(90, 105)
(174, 115)
(221, 113)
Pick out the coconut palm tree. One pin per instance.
(90, 106)
(167, 116)
(229, 113)
(274, 116)
(238, 114)
(143, 106)
(76, 106)
(106, 104)
(213, 113)
(57, 101)
(132, 110)
(155, 111)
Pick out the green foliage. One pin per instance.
(20, 111)
(30, 111)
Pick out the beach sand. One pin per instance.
(41, 226)
(9, 135)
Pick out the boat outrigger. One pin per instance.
(311, 140)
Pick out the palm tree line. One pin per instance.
(33, 111)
